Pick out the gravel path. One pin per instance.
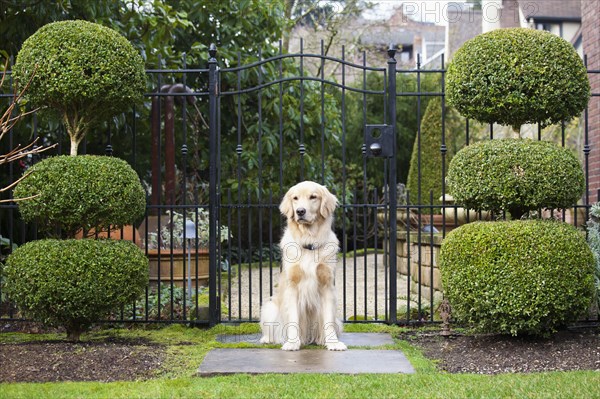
(363, 278)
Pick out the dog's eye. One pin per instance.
(313, 196)
(295, 198)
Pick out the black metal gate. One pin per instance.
(285, 124)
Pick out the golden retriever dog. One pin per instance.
(303, 310)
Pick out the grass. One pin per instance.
(186, 347)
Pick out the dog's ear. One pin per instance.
(328, 203)
(286, 207)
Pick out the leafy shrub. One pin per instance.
(517, 175)
(524, 276)
(594, 241)
(86, 72)
(431, 157)
(73, 283)
(516, 76)
(81, 192)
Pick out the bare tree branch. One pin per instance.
(7, 122)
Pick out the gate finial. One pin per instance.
(391, 51)
(212, 51)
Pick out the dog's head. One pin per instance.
(307, 202)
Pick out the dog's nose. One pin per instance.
(300, 212)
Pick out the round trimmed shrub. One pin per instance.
(85, 72)
(516, 76)
(516, 175)
(73, 283)
(83, 192)
(517, 277)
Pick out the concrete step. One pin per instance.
(313, 360)
(259, 361)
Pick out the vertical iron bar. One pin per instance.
(187, 274)
(322, 113)
(271, 243)
(302, 146)
(375, 245)
(408, 260)
(355, 262)
(229, 220)
(420, 187)
(213, 94)
(431, 237)
(586, 155)
(344, 188)
(386, 239)
(393, 181)
(443, 150)
(280, 119)
(249, 208)
(260, 183)
(239, 150)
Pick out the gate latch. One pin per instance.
(379, 141)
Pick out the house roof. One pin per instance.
(552, 9)
(401, 30)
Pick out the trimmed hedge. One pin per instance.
(86, 72)
(517, 277)
(73, 283)
(82, 192)
(431, 157)
(516, 76)
(516, 175)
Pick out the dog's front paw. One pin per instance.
(336, 346)
(291, 346)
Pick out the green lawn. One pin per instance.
(178, 380)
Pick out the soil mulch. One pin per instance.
(493, 354)
(65, 361)
(116, 360)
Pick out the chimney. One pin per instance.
(491, 13)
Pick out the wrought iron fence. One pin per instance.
(220, 145)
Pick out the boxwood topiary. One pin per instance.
(84, 71)
(431, 157)
(73, 283)
(83, 192)
(517, 175)
(517, 75)
(517, 277)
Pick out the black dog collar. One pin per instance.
(310, 247)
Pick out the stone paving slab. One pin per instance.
(258, 361)
(350, 339)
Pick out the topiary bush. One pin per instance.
(85, 72)
(517, 277)
(516, 76)
(594, 241)
(84, 192)
(517, 175)
(431, 157)
(72, 283)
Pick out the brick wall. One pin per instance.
(590, 14)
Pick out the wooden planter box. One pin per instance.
(173, 266)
